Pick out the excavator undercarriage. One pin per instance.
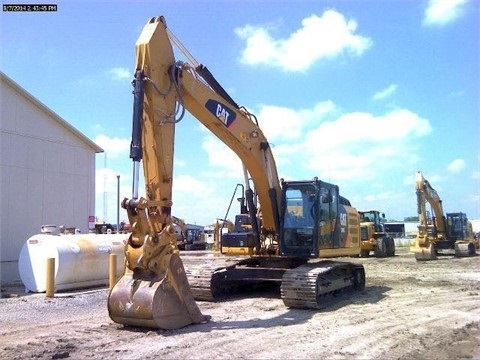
(302, 283)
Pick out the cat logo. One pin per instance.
(222, 112)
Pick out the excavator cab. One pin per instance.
(312, 213)
(458, 227)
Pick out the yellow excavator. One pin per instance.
(439, 232)
(292, 223)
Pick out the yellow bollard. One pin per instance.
(112, 270)
(50, 278)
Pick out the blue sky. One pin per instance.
(362, 94)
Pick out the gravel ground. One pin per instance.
(426, 310)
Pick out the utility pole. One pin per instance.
(118, 203)
(105, 189)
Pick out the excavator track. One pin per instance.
(464, 249)
(205, 277)
(205, 284)
(305, 286)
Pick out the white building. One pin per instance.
(47, 173)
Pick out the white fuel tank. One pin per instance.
(81, 260)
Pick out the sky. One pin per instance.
(362, 94)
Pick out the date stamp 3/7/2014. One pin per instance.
(29, 7)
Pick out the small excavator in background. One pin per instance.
(373, 236)
(439, 232)
(189, 237)
(295, 224)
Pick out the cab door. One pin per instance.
(328, 230)
(300, 214)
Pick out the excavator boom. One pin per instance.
(238, 129)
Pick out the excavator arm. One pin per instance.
(154, 290)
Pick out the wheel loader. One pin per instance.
(373, 236)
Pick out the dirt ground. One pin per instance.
(408, 310)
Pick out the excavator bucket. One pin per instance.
(138, 300)
(425, 253)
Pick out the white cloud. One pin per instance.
(190, 187)
(456, 94)
(385, 195)
(112, 146)
(361, 126)
(387, 92)
(180, 162)
(476, 175)
(456, 166)
(357, 145)
(409, 179)
(442, 12)
(198, 199)
(282, 123)
(224, 161)
(119, 73)
(279, 122)
(326, 36)
(436, 179)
